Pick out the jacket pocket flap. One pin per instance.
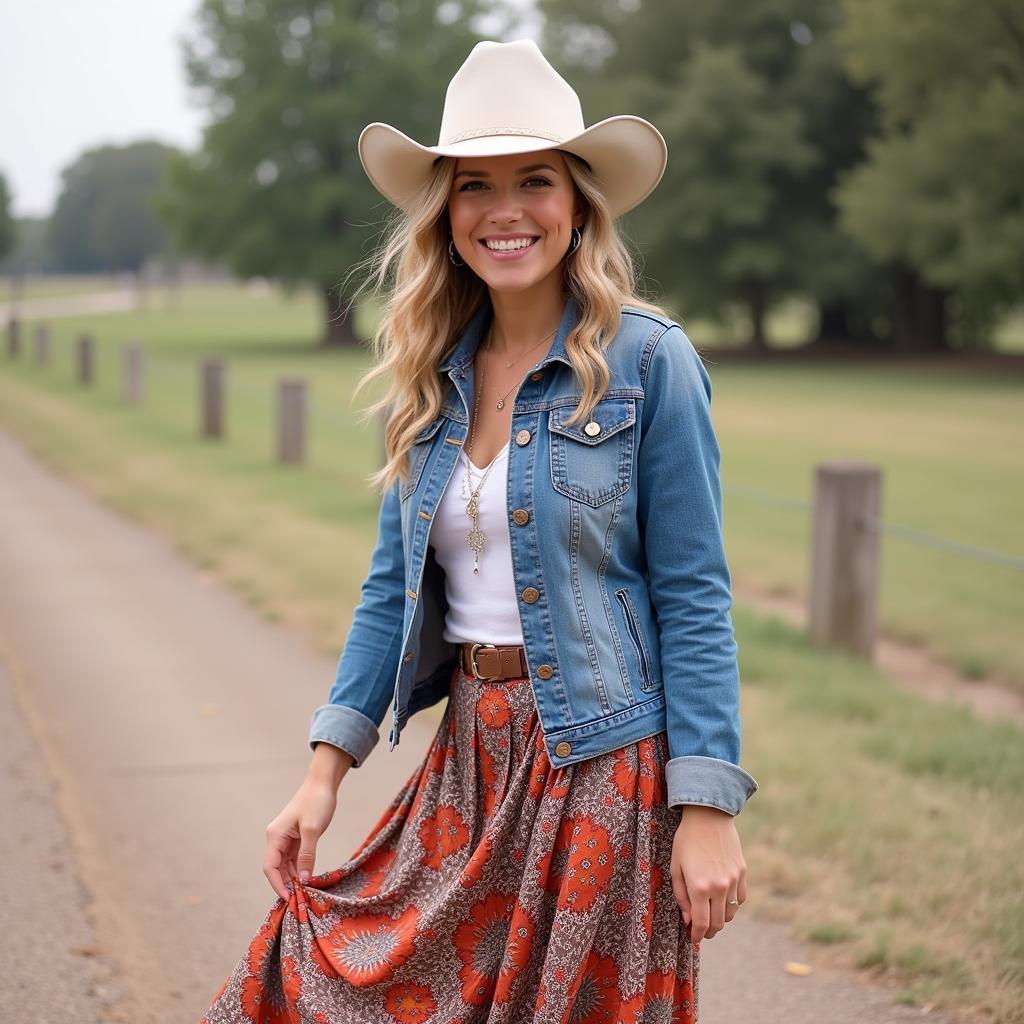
(611, 415)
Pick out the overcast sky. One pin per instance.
(80, 73)
(75, 74)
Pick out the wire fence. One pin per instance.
(901, 530)
(844, 515)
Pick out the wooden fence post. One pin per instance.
(86, 360)
(132, 373)
(212, 401)
(42, 345)
(845, 556)
(13, 337)
(291, 420)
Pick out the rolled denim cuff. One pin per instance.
(694, 779)
(344, 727)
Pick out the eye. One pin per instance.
(465, 187)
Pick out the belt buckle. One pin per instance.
(472, 662)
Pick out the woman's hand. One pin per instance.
(292, 836)
(708, 870)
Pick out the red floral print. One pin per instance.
(493, 708)
(366, 948)
(410, 1003)
(479, 942)
(596, 998)
(494, 886)
(442, 834)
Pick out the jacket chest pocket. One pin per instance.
(592, 460)
(417, 457)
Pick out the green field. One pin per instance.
(950, 444)
(887, 829)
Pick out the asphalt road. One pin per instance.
(151, 725)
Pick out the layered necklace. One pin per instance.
(475, 536)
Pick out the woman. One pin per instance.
(549, 558)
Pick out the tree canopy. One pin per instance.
(104, 218)
(7, 231)
(277, 188)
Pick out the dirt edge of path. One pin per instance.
(914, 668)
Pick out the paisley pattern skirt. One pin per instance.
(493, 888)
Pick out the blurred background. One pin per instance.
(841, 232)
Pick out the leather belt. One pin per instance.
(491, 661)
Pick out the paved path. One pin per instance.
(151, 725)
(53, 306)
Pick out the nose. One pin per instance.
(505, 206)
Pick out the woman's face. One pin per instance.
(512, 216)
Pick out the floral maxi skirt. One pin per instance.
(494, 888)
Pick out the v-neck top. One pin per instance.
(481, 608)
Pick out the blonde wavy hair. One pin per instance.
(428, 302)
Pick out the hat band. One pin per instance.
(477, 133)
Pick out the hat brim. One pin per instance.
(627, 154)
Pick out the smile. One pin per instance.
(508, 246)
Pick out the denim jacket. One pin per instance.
(617, 555)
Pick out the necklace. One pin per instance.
(508, 366)
(475, 536)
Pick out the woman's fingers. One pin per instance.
(279, 851)
(679, 889)
(730, 907)
(307, 853)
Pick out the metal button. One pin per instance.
(563, 749)
(530, 594)
(523, 437)
(545, 671)
(593, 428)
(537, 375)
(520, 516)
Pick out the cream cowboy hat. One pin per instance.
(507, 98)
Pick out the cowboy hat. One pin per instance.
(507, 98)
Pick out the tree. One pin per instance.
(941, 193)
(104, 219)
(759, 119)
(8, 234)
(277, 188)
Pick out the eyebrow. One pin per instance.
(519, 170)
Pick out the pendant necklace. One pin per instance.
(475, 536)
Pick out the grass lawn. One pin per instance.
(951, 449)
(887, 829)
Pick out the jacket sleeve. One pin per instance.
(365, 678)
(680, 512)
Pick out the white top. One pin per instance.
(480, 608)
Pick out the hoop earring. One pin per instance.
(577, 237)
(451, 253)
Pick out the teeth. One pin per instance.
(507, 246)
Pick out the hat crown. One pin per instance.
(509, 89)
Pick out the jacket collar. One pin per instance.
(465, 348)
